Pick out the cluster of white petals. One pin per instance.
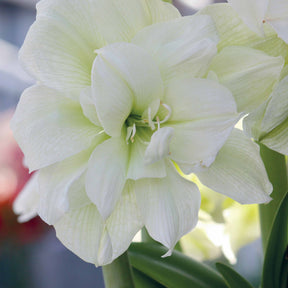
(126, 91)
(242, 49)
(255, 13)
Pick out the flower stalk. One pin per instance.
(119, 273)
(275, 164)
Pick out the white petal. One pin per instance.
(26, 203)
(125, 221)
(158, 147)
(252, 12)
(169, 206)
(106, 175)
(238, 171)
(140, 78)
(59, 50)
(196, 144)
(203, 115)
(192, 99)
(252, 122)
(111, 96)
(88, 107)
(268, 124)
(277, 139)
(137, 168)
(160, 11)
(56, 53)
(281, 27)
(277, 16)
(277, 108)
(184, 45)
(250, 74)
(129, 16)
(55, 183)
(277, 9)
(76, 195)
(49, 127)
(81, 231)
(85, 233)
(236, 32)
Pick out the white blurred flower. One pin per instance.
(216, 233)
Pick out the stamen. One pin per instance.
(169, 112)
(158, 122)
(150, 121)
(133, 133)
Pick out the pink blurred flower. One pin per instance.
(13, 177)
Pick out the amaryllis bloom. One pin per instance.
(259, 62)
(257, 12)
(121, 100)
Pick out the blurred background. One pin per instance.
(30, 254)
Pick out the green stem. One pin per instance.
(275, 165)
(119, 273)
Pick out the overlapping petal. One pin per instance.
(125, 221)
(203, 115)
(269, 123)
(26, 204)
(249, 74)
(234, 32)
(158, 147)
(277, 139)
(138, 167)
(88, 106)
(85, 233)
(255, 13)
(125, 80)
(50, 127)
(82, 231)
(55, 183)
(184, 45)
(169, 206)
(64, 57)
(238, 171)
(277, 16)
(252, 12)
(106, 175)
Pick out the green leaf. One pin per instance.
(275, 262)
(169, 1)
(175, 271)
(143, 281)
(284, 271)
(232, 278)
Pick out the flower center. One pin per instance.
(147, 120)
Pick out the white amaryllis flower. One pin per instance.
(120, 100)
(257, 12)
